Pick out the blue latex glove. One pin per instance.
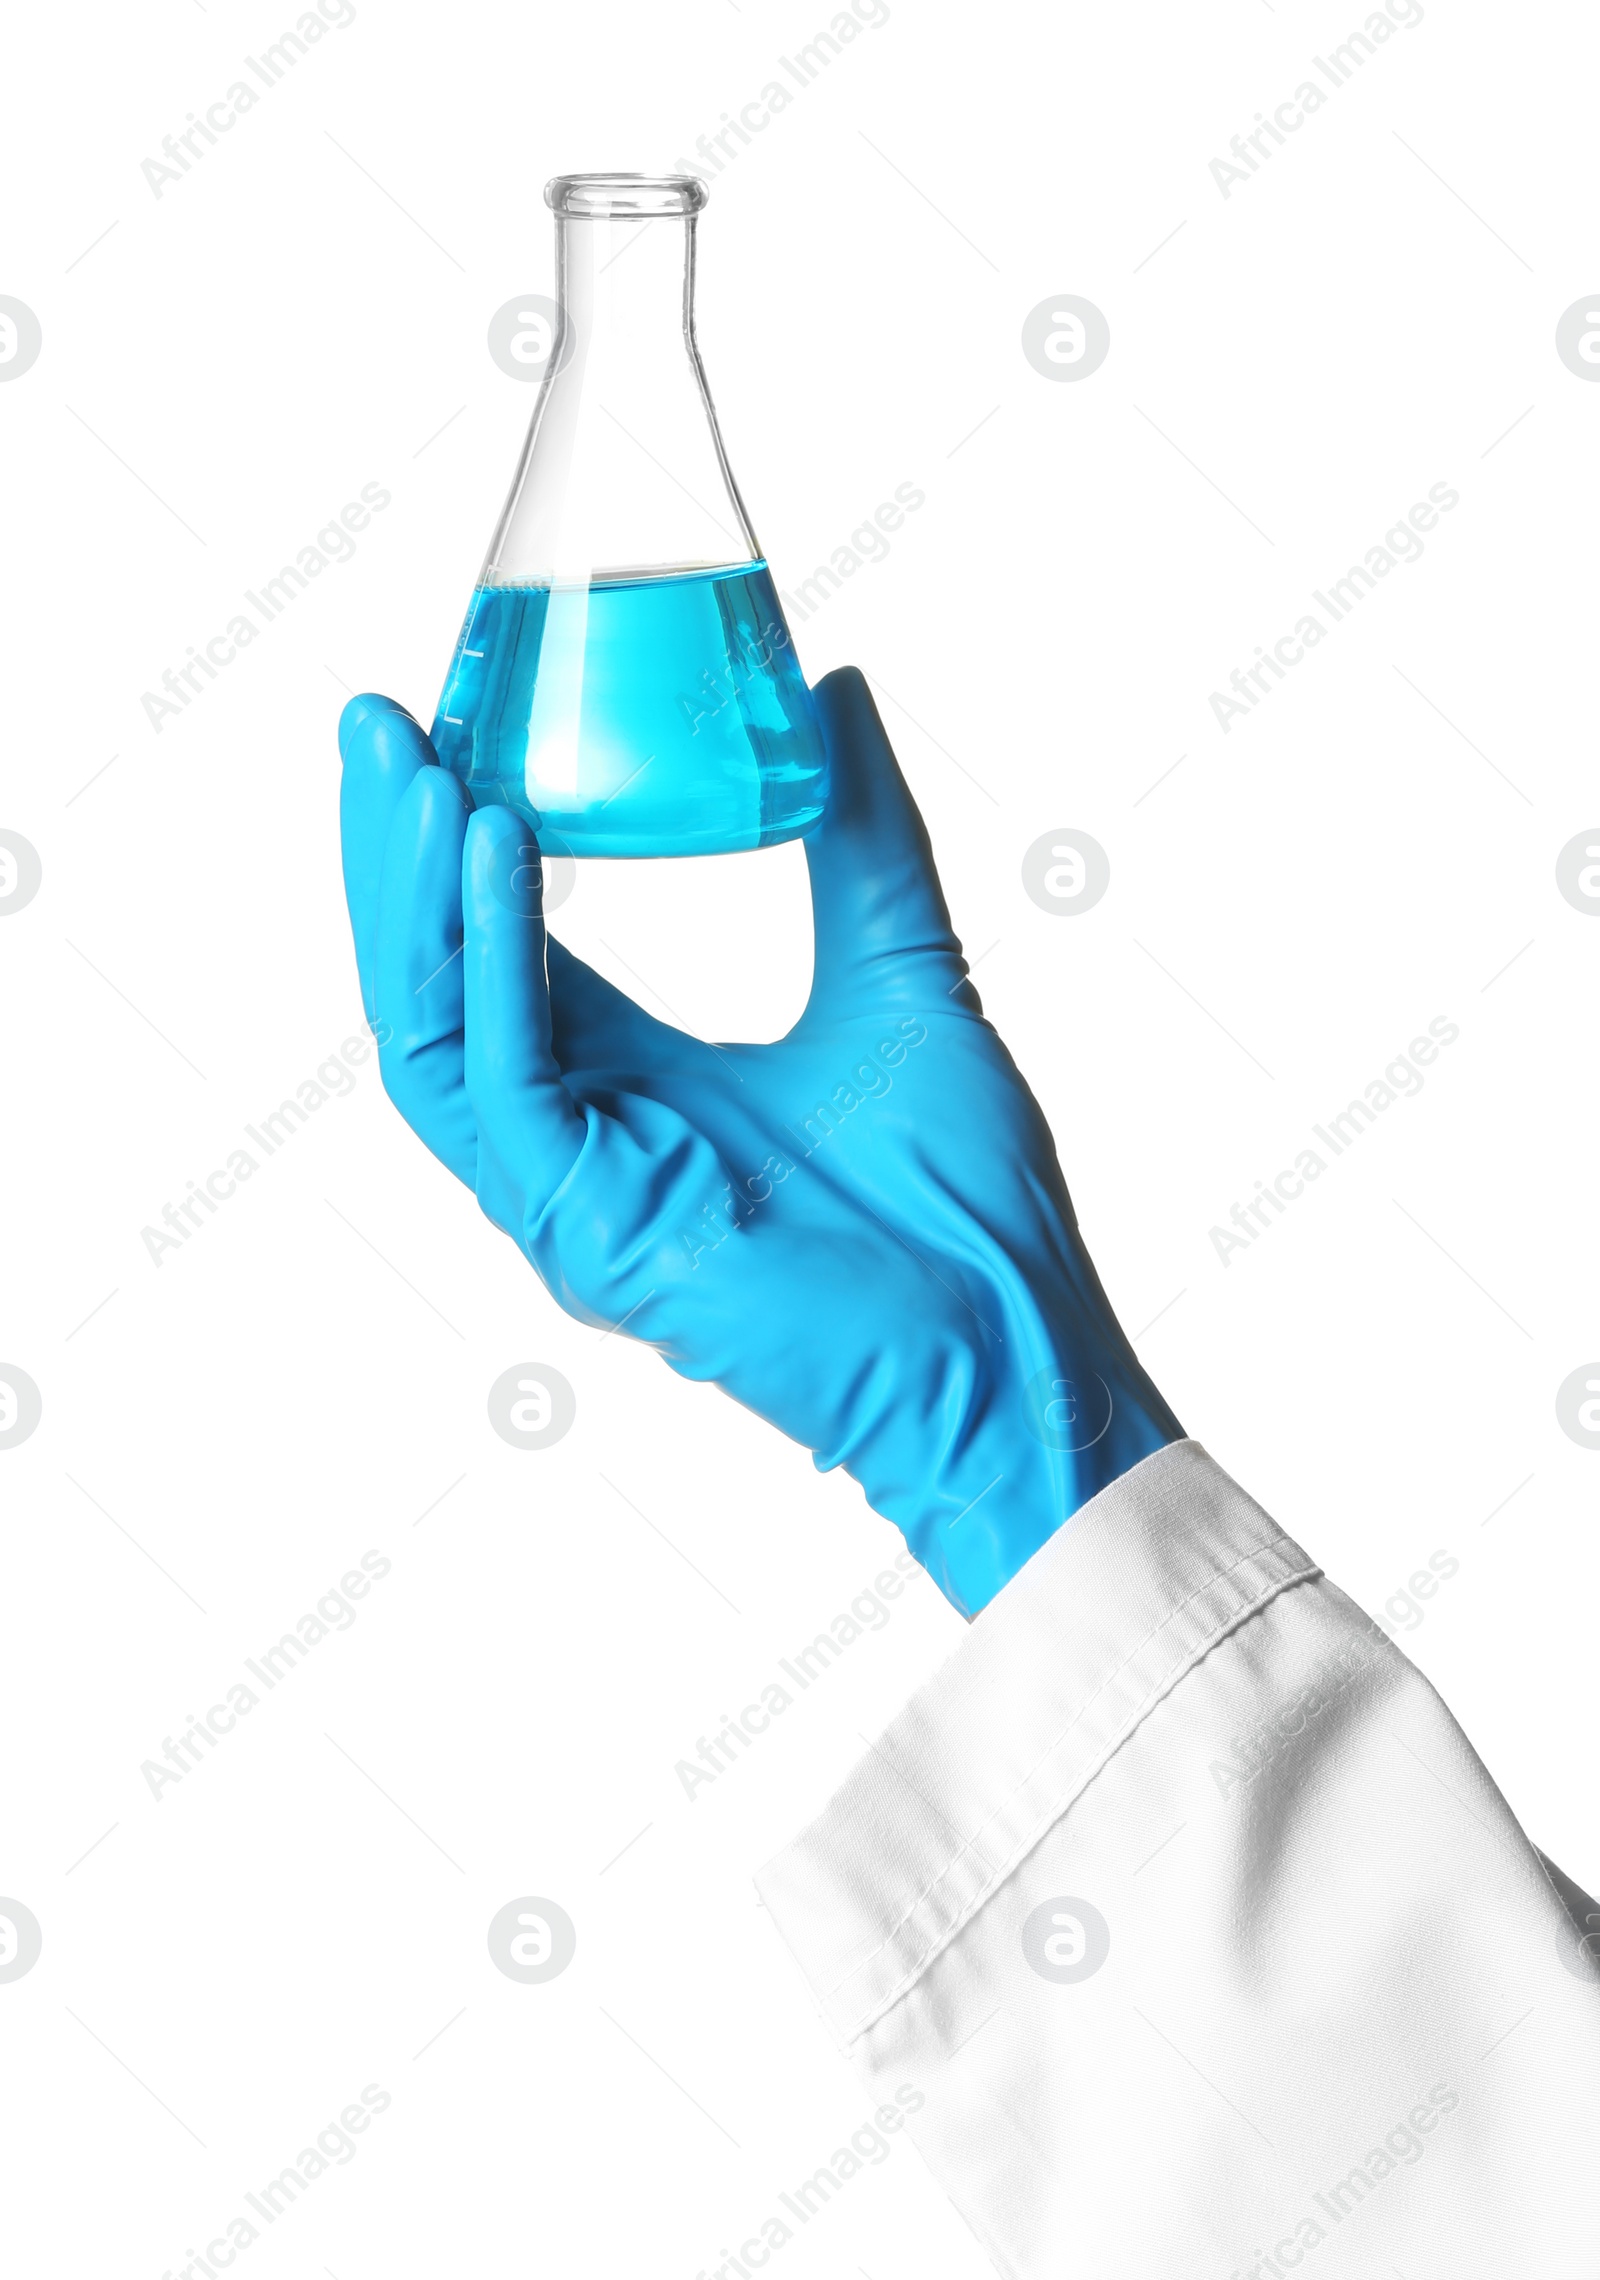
(861, 1232)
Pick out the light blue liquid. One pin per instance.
(636, 716)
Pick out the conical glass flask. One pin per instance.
(625, 679)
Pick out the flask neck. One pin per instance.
(623, 473)
(625, 289)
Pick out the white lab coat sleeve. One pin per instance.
(1183, 1919)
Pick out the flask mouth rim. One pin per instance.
(631, 197)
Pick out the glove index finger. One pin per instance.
(382, 748)
(529, 1127)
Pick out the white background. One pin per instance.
(1372, 313)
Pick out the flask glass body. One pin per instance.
(624, 677)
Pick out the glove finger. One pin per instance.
(530, 1130)
(594, 1026)
(417, 978)
(382, 748)
(878, 910)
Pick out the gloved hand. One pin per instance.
(861, 1232)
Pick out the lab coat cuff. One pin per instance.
(1050, 1682)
